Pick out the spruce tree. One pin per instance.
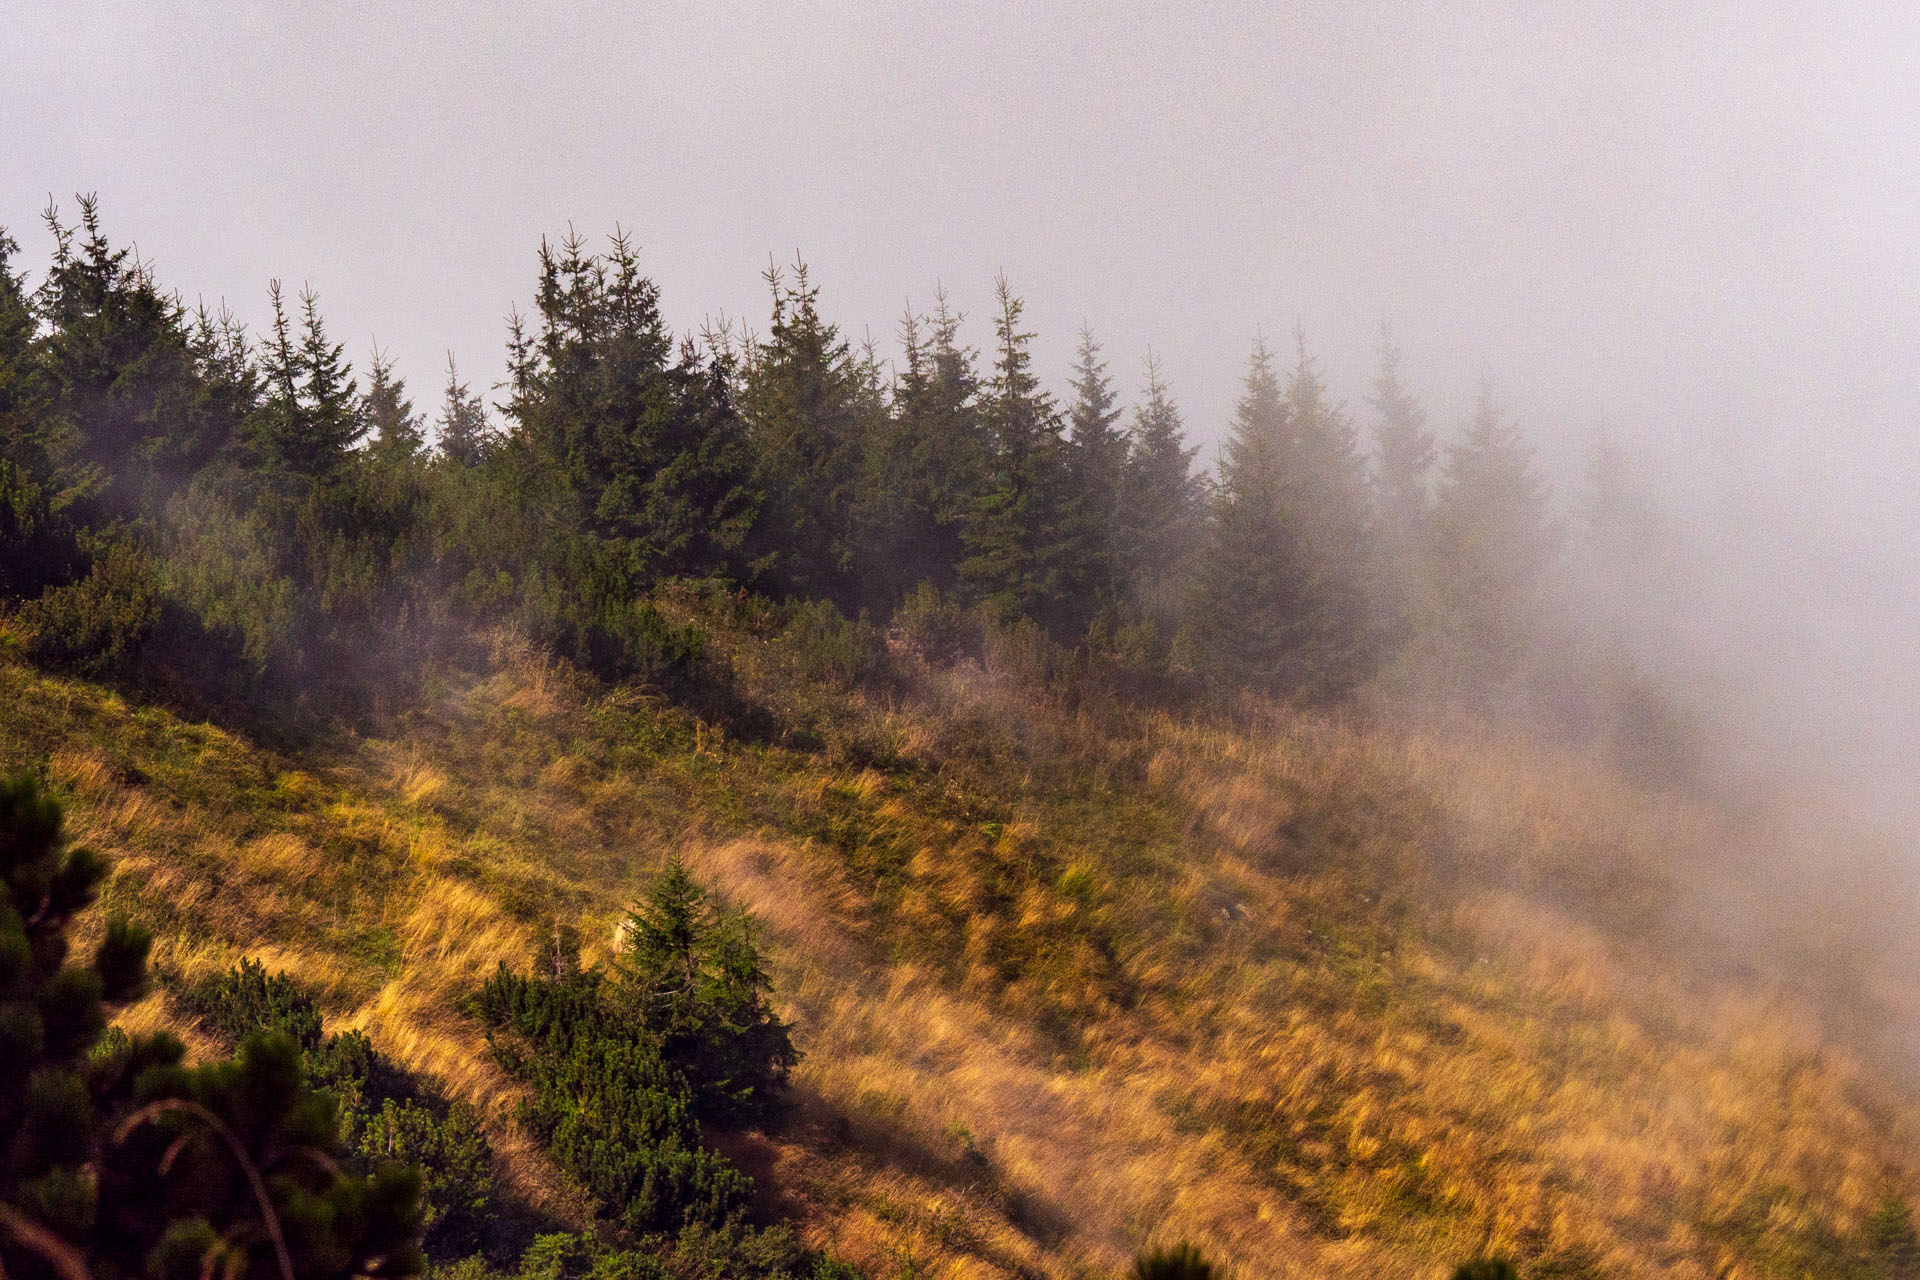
(1492, 538)
(1404, 453)
(310, 418)
(1096, 462)
(928, 465)
(695, 975)
(398, 436)
(1019, 535)
(1325, 494)
(38, 540)
(1404, 458)
(1163, 503)
(803, 399)
(133, 421)
(26, 408)
(1249, 613)
(629, 442)
(464, 436)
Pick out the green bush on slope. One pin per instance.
(386, 1115)
(115, 1159)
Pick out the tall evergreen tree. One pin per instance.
(1253, 590)
(1325, 494)
(464, 436)
(310, 419)
(38, 546)
(1097, 461)
(26, 408)
(1404, 452)
(133, 422)
(398, 434)
(1493, 539)
(1019, 533)
(802, 399)
(926, 460)
(1162, 503)
(629, 442)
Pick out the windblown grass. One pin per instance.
(1328, 998)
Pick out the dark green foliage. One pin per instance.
(1253, 591)
(397, 434)
(1162, 507)
(698, 1253)
(190, 512)
(1280, 601)
(618, 440)
(39, 544)
(27, 427)
(223, 1169)
(607, 1104)
(801, 401)
(385, 1115)
(696, 977)
(927, 465)
(1022, 556)
(136, 417)
(95, 626)
(1486, 1269)
(247, 998)
(934, 627)
(311, 416)
(1180, 1261)
(625, 1068)
(466, 439)
(1891, 1242)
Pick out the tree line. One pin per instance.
(240, 516)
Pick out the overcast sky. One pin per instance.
(1694, 226)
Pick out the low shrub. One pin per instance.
(385, 1114)
(607, 1104)
(95, 626)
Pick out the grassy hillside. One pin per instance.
(1069, 977)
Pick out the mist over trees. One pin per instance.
(245, 519)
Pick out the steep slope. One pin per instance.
(1328, 998)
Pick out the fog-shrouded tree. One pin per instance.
(1493, 539)
(1325, 494)
(1253, 588)
(131, 422)
(928, 464)
(1162, 501)
(1097, 462)
(1404, 454)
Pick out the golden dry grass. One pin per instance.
(1331, 999)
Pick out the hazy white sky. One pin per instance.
(1697, 226)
